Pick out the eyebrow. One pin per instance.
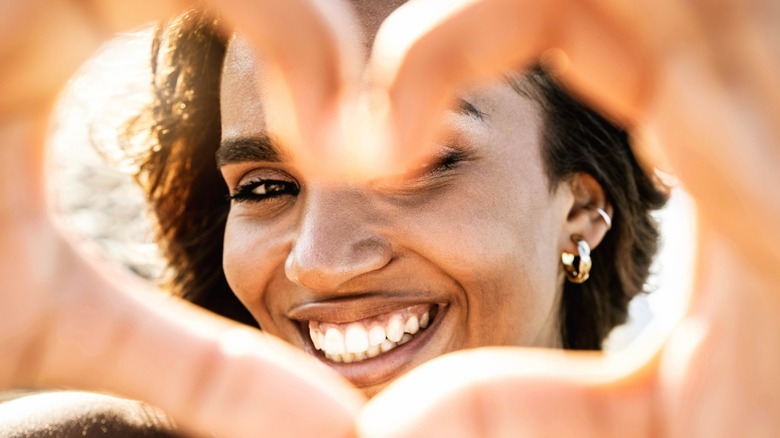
(242, 149)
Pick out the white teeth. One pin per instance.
(386, 346)
(412, 325)
(424, 319)
(376, 335)
(334, 342)
(395, 330)
(356, 339)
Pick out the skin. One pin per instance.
(482, 239)
(709, 65)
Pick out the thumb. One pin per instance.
(511, 392)
(111, 333)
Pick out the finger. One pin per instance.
(424, 50)
(312, 43)
(315, 60)
(714, 117)
(211, 375)
(46, 41)
(724, 155)
(605, 58)
(489, 392)
(112, 16)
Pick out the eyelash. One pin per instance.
(450, 160)
(246, 191)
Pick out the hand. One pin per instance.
(67, 320)
(693, 79)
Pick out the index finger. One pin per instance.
(425, 50)
(110, 333)
(315, 59)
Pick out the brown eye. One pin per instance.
(269, 187)
(262, 189)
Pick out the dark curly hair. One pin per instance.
(188, 197)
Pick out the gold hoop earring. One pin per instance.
(577, 267)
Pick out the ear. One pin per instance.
(584, 219)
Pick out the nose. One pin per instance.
(336, 241)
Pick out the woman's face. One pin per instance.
(376, 278)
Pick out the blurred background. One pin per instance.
(94, 194)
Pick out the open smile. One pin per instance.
(373, 350)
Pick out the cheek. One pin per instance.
(253, 256)
(512, 280)
(500, 246)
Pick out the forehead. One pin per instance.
(241, 91)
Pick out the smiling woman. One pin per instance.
(376, 277)
(524, 221)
